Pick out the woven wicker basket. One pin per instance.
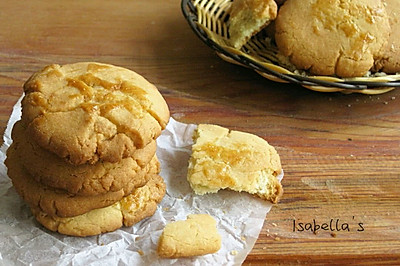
(208, 19)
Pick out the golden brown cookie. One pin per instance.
(131, 209)
(235, 160)
(56, 202)
(248, 17)
(390, 61)
(86, 112)
(332, 37)
(85, 179)
(195, 236)
(143, 201)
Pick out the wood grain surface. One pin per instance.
(340, 153)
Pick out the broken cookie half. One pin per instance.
(228, 159)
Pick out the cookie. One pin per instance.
(332, 37)
(248, 17)
(85, 179)
(131, 209)
(143, 201)
(195, 236)
(240, 161)
(56, 202)
(390, 61)
(86, 112)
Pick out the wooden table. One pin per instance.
(340, 153)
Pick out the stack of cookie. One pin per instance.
(83, 154)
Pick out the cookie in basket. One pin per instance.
(130, 210)
(57, 202)
(390, 62)
(85, 179)
(325, 37)
(248, 17)
(85, 112)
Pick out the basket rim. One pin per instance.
(352, 84)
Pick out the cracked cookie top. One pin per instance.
(333, 37)
(86, 112)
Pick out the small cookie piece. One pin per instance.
(390, 62)
(56, 202)
(236, 160)
(85, 179)
(85, 112)
(131, 209)
(332, 37)
(248, 17)
(196, 236)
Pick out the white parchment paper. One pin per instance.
(239, 216)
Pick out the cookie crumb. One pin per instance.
(277, 238)
(274, 224)
(141, 253)
(234, 252)
(333, 234)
